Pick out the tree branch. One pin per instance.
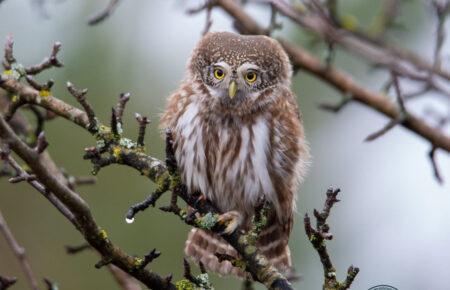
(19, 252)
(318, 235)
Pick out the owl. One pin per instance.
(238, 139)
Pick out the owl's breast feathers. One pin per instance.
(236, 159)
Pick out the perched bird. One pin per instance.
(239, 138)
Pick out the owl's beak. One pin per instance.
(232, 89)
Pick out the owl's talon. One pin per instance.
(201, 198)
(231, 221)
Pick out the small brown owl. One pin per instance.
(239, 138)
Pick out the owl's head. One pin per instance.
(237, 68)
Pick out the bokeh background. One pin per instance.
(394, 218)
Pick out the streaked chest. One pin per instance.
(226, 158)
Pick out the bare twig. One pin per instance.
(31, 179)
(71, 250)
(9, 56)
(50, 284)
(402, 116)
(143, 122)
(80, 96)
(84, 221)
(207, 6)
(6, 282)
(141, 206)
(432, 156)
(152, 255)
(41, 143)
(318, 235)
(103, 14)
(19, 252)
(48, 62)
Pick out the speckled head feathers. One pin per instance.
(235, 50)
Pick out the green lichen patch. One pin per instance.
(103, 234)
(208, 221)
(185, 284)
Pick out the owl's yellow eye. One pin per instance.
(251, 77)
(219, 73)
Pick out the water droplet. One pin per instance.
(129, 221)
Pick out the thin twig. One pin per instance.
(6, 282)
(437, 173)
(48, 62)
(318, 236)
(19, 252)
(143, 122)
(103, 14)
(9, 56)
(80, 96)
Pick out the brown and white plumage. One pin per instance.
(239, 138)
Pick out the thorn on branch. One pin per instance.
(6, 282)
(72, 250)
(152, 255)
(80, 96)
(103, 14)
(48, 62)
(143, 122)
(437, 173)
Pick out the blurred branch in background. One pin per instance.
(19, 252)
(103, 14)
(323, 20)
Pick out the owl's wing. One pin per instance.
(176, 103)
(287, 164)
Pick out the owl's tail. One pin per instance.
(202, 246)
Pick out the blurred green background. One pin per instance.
(393, 221)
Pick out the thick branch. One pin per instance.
(87, 226)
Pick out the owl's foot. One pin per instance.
(231, 221)
(200, 199)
